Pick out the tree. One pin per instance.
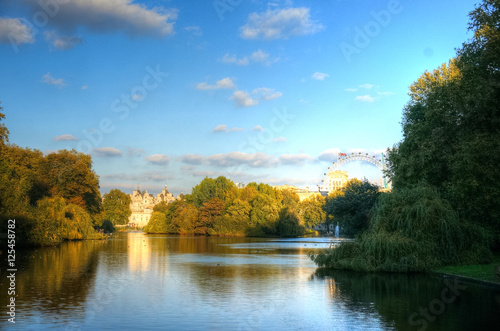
(4, 132)
(312, 210)
(209, 188)
(450, 126)
(116, 205)
(264, 214)
(289, 223)
(290, 198)
(352, 208)
(157, 223)
(207, 215)
(70, 175)
(161, 207)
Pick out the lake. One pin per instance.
(158, 282)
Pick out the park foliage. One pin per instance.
(217, 207)
(52, 197)
(445, 205)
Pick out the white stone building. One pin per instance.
(142, 204)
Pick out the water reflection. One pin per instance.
(413, 302)
(137, 281)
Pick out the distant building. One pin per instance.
(142, 204)
(302, 193)
(335, 180)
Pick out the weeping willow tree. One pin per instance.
(412, 229)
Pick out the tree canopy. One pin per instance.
(116, 206)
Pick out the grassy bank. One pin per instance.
(481, 272)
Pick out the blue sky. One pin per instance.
(168, 92)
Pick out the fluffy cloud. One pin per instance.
(330, 155)
(264, 93)
(256, 160)
(223, 128)
(279, 24)
(142, 177)
(110, 16)
(259, 56)
(158, 159)
(134, 152)
(320, 76)
(65, 137)
(47, 78)
(196, 30)
(365, 98)
(297, 159)
(366, 86)
(233, 59)
(193, 159)
(63, 43)
(107, 152)
(12, 30)
(243, 99)
(258, 128)
(225, 83)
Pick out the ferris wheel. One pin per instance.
(344, 158)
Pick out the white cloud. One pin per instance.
(141, 178)
(279, 24)
(196, 30)
(107, 152)
(366, 86)
(329, 155)
(232, 59)
(320, 76)
(260, 56)
(63, 43)
(223, 128)
(280, 139)
(264, 93)
(297, 159)
(65, 137)
(243, 99)
(158, 159)
(110, 16)
(365, 98)
(13, 30)
(258, 128)
(225, 83)
(220, 128)
(231, 159)
(193, 159)
(133, 152)
(351, 89)
(47, 78)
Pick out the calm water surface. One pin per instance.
(154, 282)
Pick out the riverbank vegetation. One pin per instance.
(217, 207)
(445, 205)
(52, 197)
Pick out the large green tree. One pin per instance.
(209, 188)
(312, 210)
(351, 207)
(70, 175)
(116, 206)
(451, 135)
